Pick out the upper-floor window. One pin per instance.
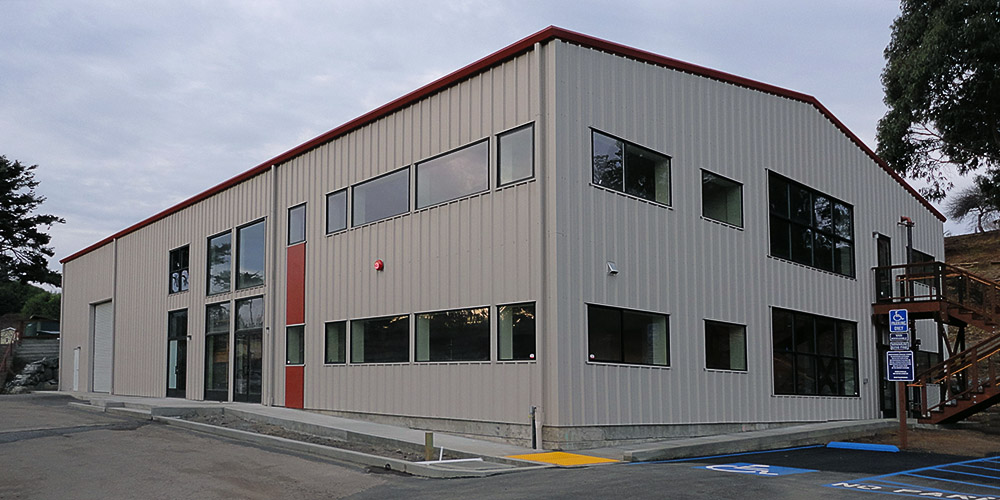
(381, 197)
(220, 251)
(810, 227)
(631, 169)
(297, 224)
(250, 243)
(336, 211)
(454, 175)
(179, 269)
(516, 155)
(721, 199)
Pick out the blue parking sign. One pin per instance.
(899, 366)
(899, 320)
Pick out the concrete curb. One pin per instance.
(438, 472)
(759, 440)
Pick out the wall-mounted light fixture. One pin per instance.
(612, 268)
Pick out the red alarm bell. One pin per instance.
(379, 265)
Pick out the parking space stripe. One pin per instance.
(978, 485)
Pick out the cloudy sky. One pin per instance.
(129, 107)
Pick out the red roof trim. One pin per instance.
(484, 64)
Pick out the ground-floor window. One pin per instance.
(459, 335)
(814, 355)
(623, 336)
(516, 332)
(295, 345)
(725, 346)
(381, 340)
(335, 341)
(217, 351)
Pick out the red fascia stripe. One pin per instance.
(509, 52)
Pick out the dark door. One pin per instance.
(248, 355)
(883, 277)
(176, 353)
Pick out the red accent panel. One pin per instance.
(294, 386)
(509, 52)
(295, 285)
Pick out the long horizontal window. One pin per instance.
(454, 175)
(624, 336)
(381, 197)
(810, 227)
(381, 340)
(631, 169)
(814, 355)
(460, 335)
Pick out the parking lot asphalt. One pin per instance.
(51, 450)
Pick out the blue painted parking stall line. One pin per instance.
(755, 469)
(966, 480)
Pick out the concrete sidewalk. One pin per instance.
(495, 456)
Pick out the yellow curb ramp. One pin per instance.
(562, 458)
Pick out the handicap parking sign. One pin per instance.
(899, 320)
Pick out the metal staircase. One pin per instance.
(968, 381)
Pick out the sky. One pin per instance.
(129, 107)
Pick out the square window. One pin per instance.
(516, 155)
(295, 345)
(336, 342)
(460, 335)
(297, 224)
(516, 332)
(624, 336)
(179, 277)
(336, 211)
(721, 199)
(725, 346)
(381, 340)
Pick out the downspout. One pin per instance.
(541, 170)
(114, 317)
(273, 287)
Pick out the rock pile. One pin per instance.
(39, 375)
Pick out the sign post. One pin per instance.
(899, 363)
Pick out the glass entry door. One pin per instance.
(248, 350)
(177, 353)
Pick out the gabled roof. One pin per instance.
(507, 53)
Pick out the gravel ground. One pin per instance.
(243, 424)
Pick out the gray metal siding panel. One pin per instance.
(87, 280)
(673, 261)
(104, 316)
(475, 251)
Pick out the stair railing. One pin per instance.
(937, 281)
(962, 375)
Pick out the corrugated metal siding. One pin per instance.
(143, 301)
(479, 250)
(673, 261)
(86, 281)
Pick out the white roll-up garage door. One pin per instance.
(103, 346)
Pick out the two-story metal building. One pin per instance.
(636, 246)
